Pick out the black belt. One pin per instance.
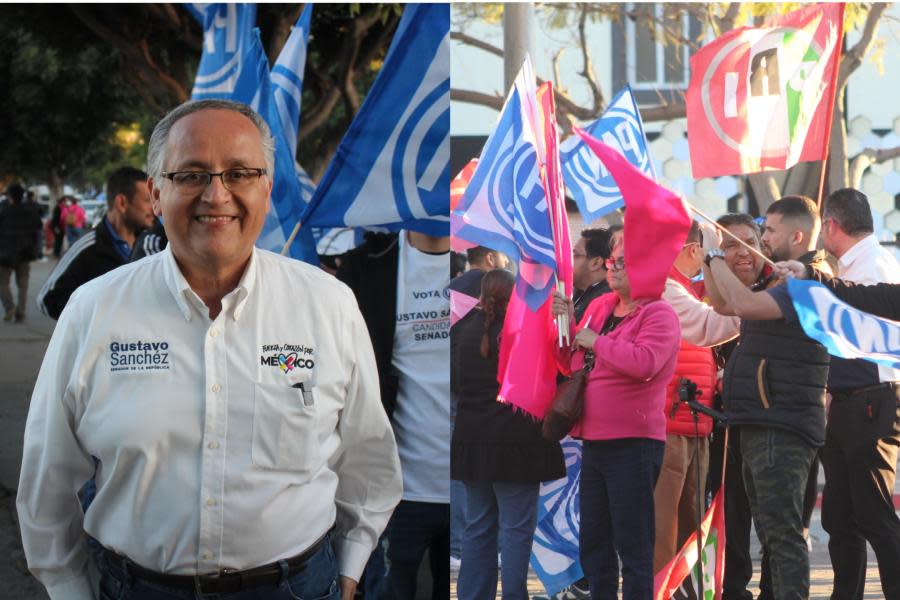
(224, 582)
(851, 393)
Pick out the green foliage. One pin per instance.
(60, 106)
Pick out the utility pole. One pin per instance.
(517, 38)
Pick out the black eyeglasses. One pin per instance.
(615, 264)
(234, 180)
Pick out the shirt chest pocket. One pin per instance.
(284, 429)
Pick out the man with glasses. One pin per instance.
(229, 394)
(107, 246)
(589, 269)
(774, 392)
(687, 437)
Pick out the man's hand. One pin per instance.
(790, 268)
(348, 588)
(562, 305)
(710, 235)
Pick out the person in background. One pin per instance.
(497, 452)
(107, 245)
(588, 267)
(20, 222)
(74, 217)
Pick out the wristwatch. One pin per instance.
(713, 253)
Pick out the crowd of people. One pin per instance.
(213, 420)
(731, 341)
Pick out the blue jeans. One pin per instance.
(317, 581)
(414, 528)
(457, 517)
(509, 509)
(617, 516)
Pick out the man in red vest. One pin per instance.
(687, 441)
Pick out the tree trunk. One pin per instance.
(837, 151)
(765, 189)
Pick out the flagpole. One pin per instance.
(830, 118)
(731, 235)
(290, 240)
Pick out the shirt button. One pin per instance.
(215, 388)
(213, 445)
(210, 502)
(213, 332)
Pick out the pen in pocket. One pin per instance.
(307, 394)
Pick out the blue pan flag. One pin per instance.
(392, 168)
(287, 78)
(587, 180)
(227, 30)
(843, 330)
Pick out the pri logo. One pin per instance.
(761, 90)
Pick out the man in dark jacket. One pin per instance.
(20, 223)
(774, 391)
(589, 269)
(401, 283)
(107, 245)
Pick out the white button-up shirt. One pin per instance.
(224, 443)
(867, 262)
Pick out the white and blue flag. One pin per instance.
(587, 180)
(287, 78)
(392, 168)
(226, 32)
(254, 88)
(844, 331)
(504, 206)
(554, 551)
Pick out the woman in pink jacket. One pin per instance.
(635, 346)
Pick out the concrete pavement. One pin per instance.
(22, 347)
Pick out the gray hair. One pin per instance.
(156, 151)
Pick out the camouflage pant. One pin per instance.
(776, 467)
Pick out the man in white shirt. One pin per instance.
(229, 394)
(863, 431)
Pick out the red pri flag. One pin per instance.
(761, 98)
(657, 222)
(679, 578)
(527, 369)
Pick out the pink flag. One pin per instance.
(657, 222)
(457, 189)
(460, 305)
(527, 370)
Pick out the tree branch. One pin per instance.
(476, 43)
(852, 58)
(472, 97)
(588, 70)
(867, 158)
(726, 23)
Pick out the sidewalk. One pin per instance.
(22, 347)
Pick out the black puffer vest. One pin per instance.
(776, 377)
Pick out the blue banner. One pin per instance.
(254, 87)
(504, 206)
(392, 168)
(554, 552)
(287, 78)
(227, 31)
(587, 180)
(843, 330)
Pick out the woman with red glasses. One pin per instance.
(634, 345)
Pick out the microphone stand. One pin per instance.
(688, 393)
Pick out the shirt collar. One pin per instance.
(858, 250)
(187, 299)
(121, 246)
